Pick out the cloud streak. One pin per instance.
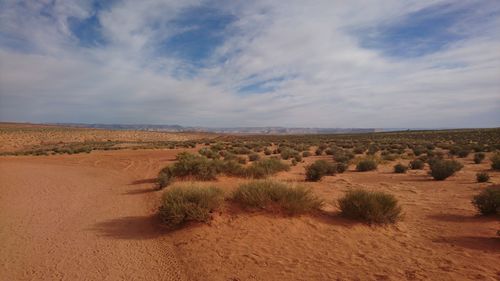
(299, 64)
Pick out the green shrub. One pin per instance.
(373, 207)
(417, 164)
(488, 201)
(192, 203)
(479, 157)
(272, 196)
(319, 169)
(495, 162)
(400, 168)
(231, 168)
(266, 167)
(482, 177)
(442, 169)
(366, 165)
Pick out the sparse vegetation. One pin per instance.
(276, 196)
(479, 157)
(495, 162)
(482, 177)
(190, 203)
(366, 165)
(372, 207)
(319, 169)
(442, 169)
(400, 168)
(417, 164)
(266, 167)
(488, 201)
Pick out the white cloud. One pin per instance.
(319, 73)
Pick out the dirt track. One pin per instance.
(83, 217)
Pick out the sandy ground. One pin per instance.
(91, 217)
(19, 136)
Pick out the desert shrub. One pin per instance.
(463, 153)
(266, 167)
(228, 156)
(358, 150)
(209, 153)
(366, 165)
(417, 164)
(294, 162)
(488, 201)
(389, 157)
(418, 150)
(192, 203)
(442, 169)
(318, 151)
(495, 162)
(297, 157)
(273, 195)
(306, 154)
(482, 177)
(479, 157)
(319, 169)
(231, 168)
(342, 167)
(342, 156)
(254, 157)
(400, 168)
(190, 165)
(165, 177)
(267, 151)
(373, 207)
(242, 160)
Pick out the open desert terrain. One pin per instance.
(94, 216)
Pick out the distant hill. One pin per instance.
(229, 130)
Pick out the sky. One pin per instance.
(332, 63)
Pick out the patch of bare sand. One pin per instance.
(83, 217)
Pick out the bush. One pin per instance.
(400, 168)
(342, 167)
(463, 153)
(266, 167)
(482, 177)
(417, 164)
(272, 195)
(267, 151)
(190, 165)
(495, 162)
(254, 157)
(373, 207)
(319, 169)
(231, 168)
(488, 201)
(193, 203)
(165, 177)
(479, 157)
(366, 165)
(306, 154)
(442, 169)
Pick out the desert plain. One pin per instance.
(94, 216)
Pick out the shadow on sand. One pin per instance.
(486, 244)
(130, 228)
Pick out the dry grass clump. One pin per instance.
(417, 164)
(369, 206)
(488, 201)
(495, 162)
(482, 177)
(265, 167)
(366, 165)
(479, 157)
(319, 169)
(276, 196)
(189, 203)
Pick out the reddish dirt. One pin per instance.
(91, 217)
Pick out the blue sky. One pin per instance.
(428, 63)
